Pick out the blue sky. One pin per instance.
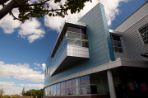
(20, 50)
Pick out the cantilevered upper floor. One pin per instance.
(70, 48)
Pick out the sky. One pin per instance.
(24, 48)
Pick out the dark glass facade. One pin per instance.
(144, 33)
(86, 85)
(117, 44)
(76, 36)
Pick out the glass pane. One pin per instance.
(62, 88)
(54, 90)
(94, 89)
(69, 87)
(116, 41)
(144, 33)
(58, 89)
(85, 80)
(85, 85)
(51, 91)
(75, 38)
(73, 29)
(74, 86)
(85, 90)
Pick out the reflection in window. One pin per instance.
(93, 89)
(78, 86)
(54, 90)
(116, 41)
(62, 88)
(76, 36)
(58, 89)
(68, 89)
(85, 85)
(51, 90)
(144, 33)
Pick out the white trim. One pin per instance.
(111, 65)
(99, 68)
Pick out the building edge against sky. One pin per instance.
(88, 61)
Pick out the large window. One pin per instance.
(78, 86)
(63, 88)
(58, 89)
(144, 33)
(85, 85)
(117, 45)
(77, 37)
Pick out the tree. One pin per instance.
(39, 8)
(34, 93)
(23, 91)
(1, 93)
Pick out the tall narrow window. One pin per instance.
(117, 45)
(144, 33)
(85, 85)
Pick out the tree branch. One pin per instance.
(41, 3)
(15, 18)
(6, 9)
(3, 1)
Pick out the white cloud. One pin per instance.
(43, 66)
(31, 30)
(111, 9)
(56, 23)
(8, 24)
(11, 88)
(21, 72)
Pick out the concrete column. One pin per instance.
(111, 84)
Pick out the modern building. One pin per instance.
(91, 61)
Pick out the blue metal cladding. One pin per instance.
(52, 61)
(100, 47)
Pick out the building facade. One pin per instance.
(91, 61)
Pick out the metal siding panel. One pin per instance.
(132, 41)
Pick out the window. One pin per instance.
(68, 89)
(47, 91)
(62, 88)
(116, 41)
(78, 86)
(144, 33)
(93, 89)
(58, 89)
(85, 85)
(74, 87)
(76, 36)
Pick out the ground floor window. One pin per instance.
(86, 85)
(131, 82)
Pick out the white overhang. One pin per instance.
(111, 65)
